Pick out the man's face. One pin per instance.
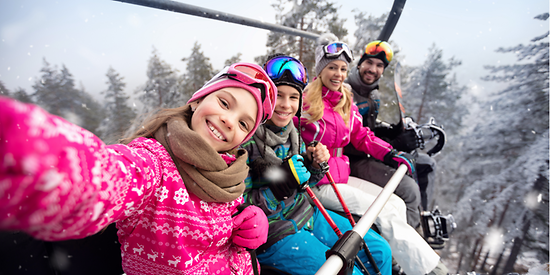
(370, 70)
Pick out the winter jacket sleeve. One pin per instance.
(59, 181)
(363, 139)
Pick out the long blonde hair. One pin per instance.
(313, 100)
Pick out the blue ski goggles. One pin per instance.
(277, 66)
(335, 49)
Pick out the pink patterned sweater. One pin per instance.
(59, 181)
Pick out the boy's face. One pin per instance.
(288, 100)
(371, 69)
(224, 117)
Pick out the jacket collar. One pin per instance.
(332, 97)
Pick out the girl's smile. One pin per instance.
(225, 117)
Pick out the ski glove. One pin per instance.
(250, 226)
(293, 175)
(406, 141)
(394, 158)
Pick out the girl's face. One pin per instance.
(224, 117)
(288, 100)
(333, 74)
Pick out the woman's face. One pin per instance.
(288, 100)
(333, 74)
(224, 117)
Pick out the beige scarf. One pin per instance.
(202, 169)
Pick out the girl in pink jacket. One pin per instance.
(174, 188)
(333, 119)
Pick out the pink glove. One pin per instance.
(395, 158)
(250, 227)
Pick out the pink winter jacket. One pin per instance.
(59, 181)
(332, 131)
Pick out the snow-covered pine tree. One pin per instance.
(157, 91)
(432, 91)
(502, 209)
(89, 110)
(3, 90)
(55, 92)
(118, 113)
(368, 29)
(317, 16)
(234, 59)
(47, 92)
(197, 72)
(21, 95)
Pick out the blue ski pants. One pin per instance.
(304, 251)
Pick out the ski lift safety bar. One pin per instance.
(179, 7)
(334, 263)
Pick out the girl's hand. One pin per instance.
(318, 154)
(250, 226)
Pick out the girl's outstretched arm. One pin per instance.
(59, 181)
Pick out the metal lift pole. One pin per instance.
(179, 7)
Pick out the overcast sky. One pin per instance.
(88, 36)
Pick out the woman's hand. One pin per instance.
(318, 154)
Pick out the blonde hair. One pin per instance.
(313, 100)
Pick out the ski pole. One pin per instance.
(332, 224)
(335, 263)
(324, 166)
(352, 221)
(337, 192)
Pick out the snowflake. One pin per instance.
(275, 174)
(181, 196)
(204, 206)
(162, 194)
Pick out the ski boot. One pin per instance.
(436, 228)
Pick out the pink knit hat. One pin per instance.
(250, 77)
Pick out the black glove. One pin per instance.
(388, 131)
(406, 141)
(290, 176)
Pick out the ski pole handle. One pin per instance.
(323, 165)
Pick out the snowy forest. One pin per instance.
(492, 175)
